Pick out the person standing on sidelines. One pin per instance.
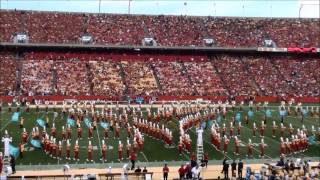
(165, 171)
(240, 169)
(133, 159)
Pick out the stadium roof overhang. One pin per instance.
(136, 49)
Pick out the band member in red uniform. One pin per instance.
(79, 132)
(90, 132)
(28, 107)
(140, 144)
(24, 136)
(262, 148)
(225, 144)
(53, 130)
(218, 142)
(262, 128)
(180, 146)
(54, 149)
(69, 131)
(129, 131)
(63, 133)
(291, 129)
(237, 145)
(254, 129)
(288, 146)
(68, 150)
(282, 147)
(103, 151)
(274, 128)
(90, 151)
(135, 145)
(282, 129)
(250, 149)
(76, 151)
(120, 151)
(117, 131)
(60, 151)
(239, 128)
(9, 107)
(21, 150)
(106, 133)
(224, 129)
(46, 143)
(231, 130)
(21, 122)
(128, 148)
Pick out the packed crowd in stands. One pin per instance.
(301, 75)
(116, 75)
(116, 30)
(267, 76)
(139, 78)
(235, 76)
(37, 77)
(106, 78)
(72, 77)
(204, 78)
(176, 30)
(112, 29)
(8, 69)
(173, 79)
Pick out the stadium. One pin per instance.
(97, 95)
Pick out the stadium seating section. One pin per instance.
(111, 29)
(115, 75)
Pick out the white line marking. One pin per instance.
(99, 138)
(144, 156)
(7, 123)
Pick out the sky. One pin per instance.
(238, 8)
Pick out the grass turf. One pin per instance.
(154, 150)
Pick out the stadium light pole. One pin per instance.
(99, 6)
(129, 6)
(301, 6)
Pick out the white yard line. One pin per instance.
(5, 125)
(99, 138)
(144, 156)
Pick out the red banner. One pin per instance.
(302, 50)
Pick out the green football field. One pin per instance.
(155, 150)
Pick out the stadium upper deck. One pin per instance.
(111, 29)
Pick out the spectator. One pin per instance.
(13, 164)
(240, 169)
(165, 171)
(133, 159)
(181, 172)
(225, 169)
(138, 170)
(1, 162)
(205, 160)
(196, 172)
(145, 170)
(233, 167)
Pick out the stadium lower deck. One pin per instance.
(155, 151)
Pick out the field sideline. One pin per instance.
(155, 150)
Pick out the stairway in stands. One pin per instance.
(155, 72)
(19, 60)
(123, 78)
(89, 77)
(212, 59)
(252, 81)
